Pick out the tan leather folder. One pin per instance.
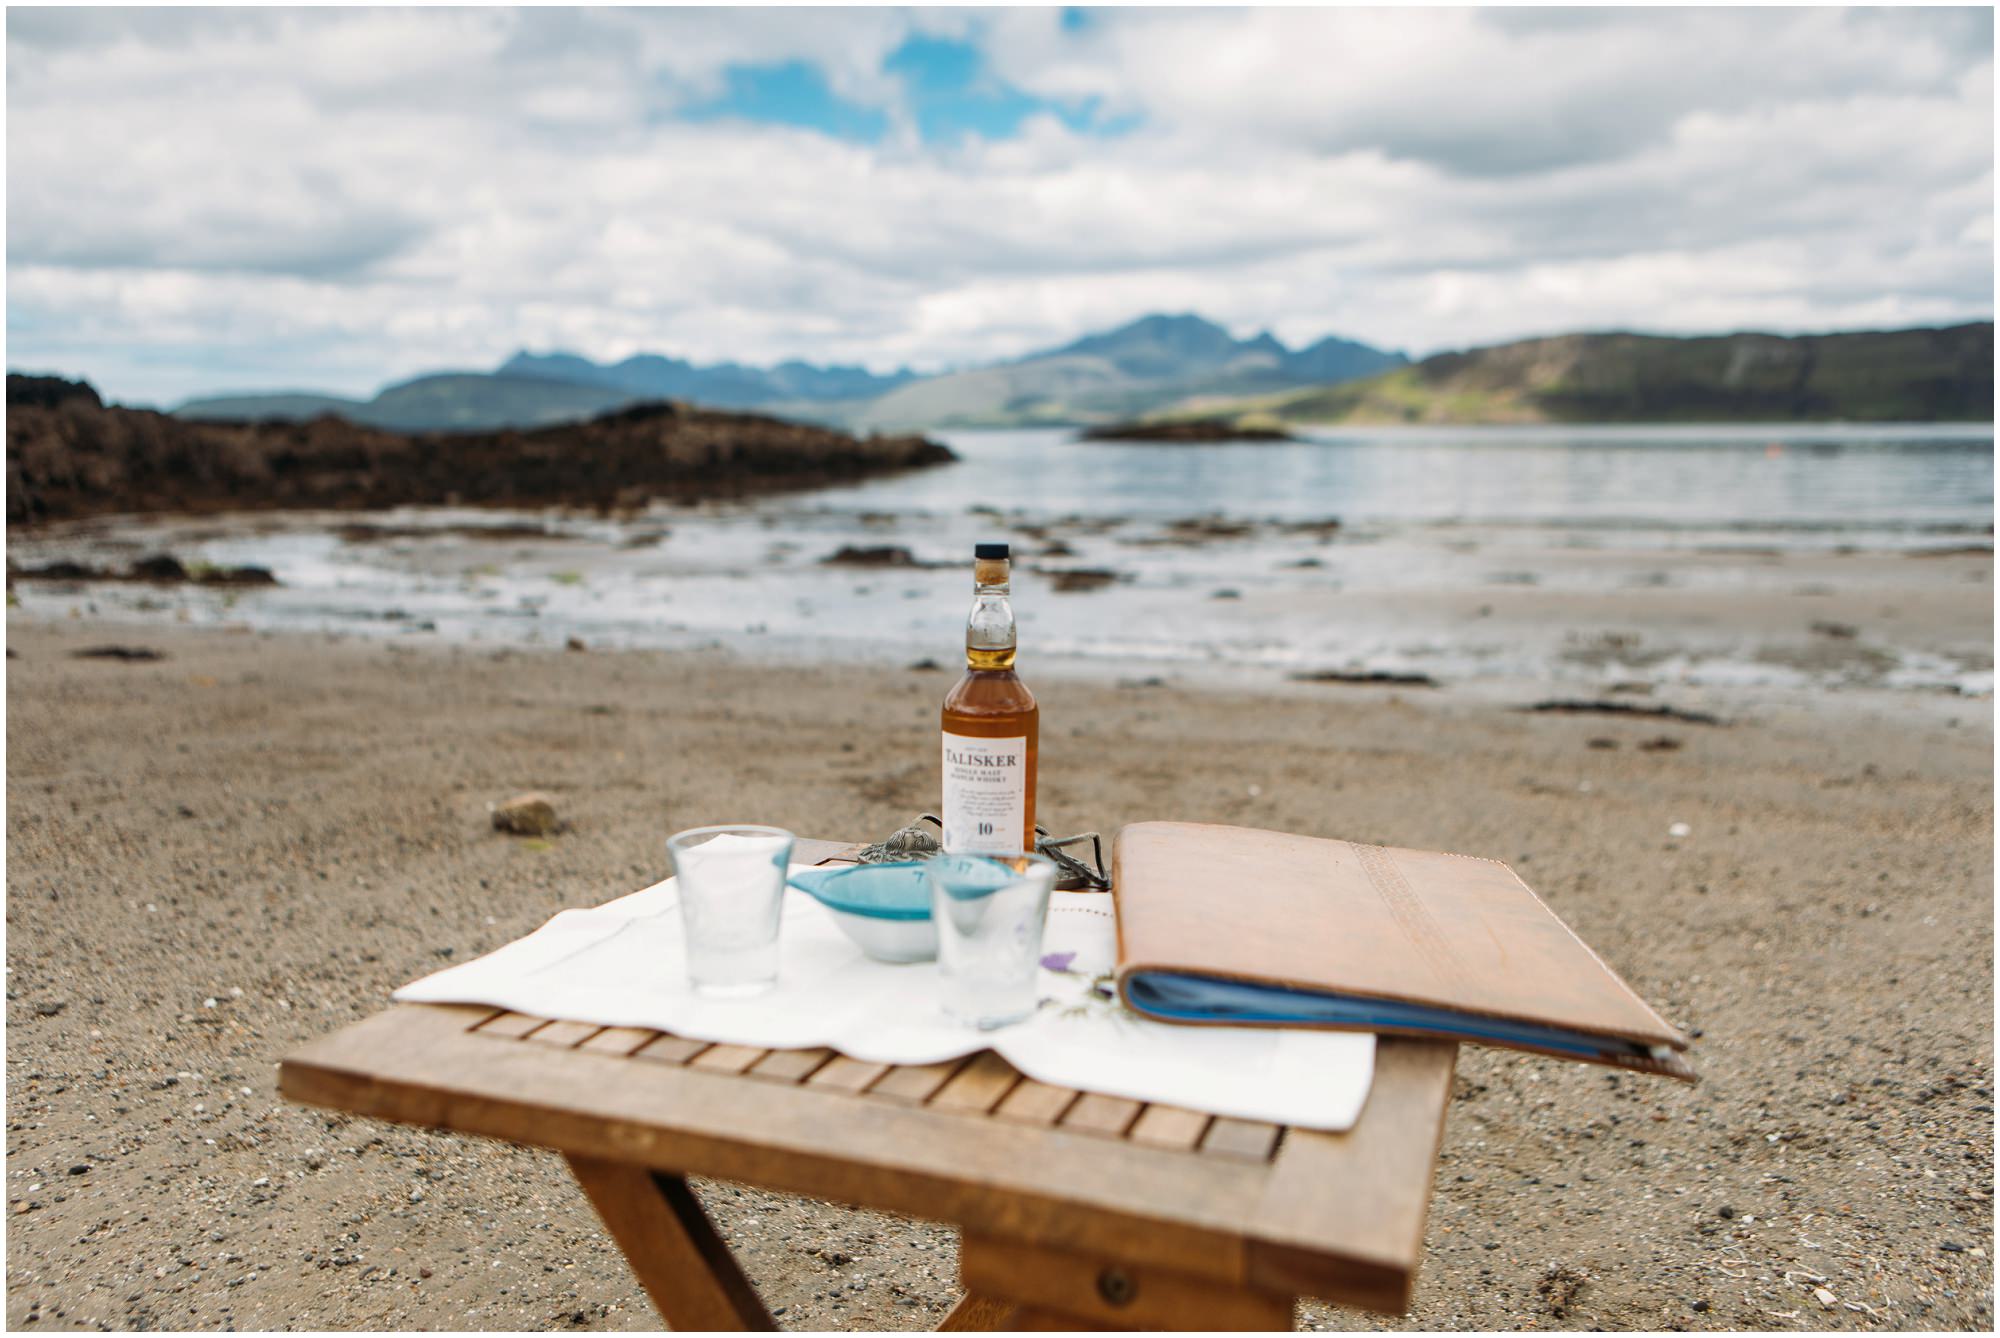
(1231, 924)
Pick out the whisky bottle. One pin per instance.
(991, 726)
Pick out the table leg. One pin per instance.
(672, 1246)
(978, 1314)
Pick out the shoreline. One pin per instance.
(1484, 610)
(1732, 703)
(303, 820)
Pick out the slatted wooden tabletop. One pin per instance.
(1075, 1206)
(981, 1084)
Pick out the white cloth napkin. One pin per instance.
(623, 964)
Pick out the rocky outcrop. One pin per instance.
(851, 555)
(1186, 430)
(48, 392)
(160, 569)
(70, 456)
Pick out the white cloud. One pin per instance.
(212, 199)
(1480, 92)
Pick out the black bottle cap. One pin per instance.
(989, 550)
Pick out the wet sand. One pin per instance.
(220, 854)
(1483, 609)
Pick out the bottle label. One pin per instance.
(985, 794)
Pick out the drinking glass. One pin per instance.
(731, 881)
(990, 911)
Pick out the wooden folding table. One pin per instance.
(1076, 1210)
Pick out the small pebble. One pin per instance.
(526, 815)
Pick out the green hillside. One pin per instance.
(1924, 375)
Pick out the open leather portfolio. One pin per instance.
(1235, 925)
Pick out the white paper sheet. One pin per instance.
(623, 964)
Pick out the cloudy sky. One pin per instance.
(204, 200)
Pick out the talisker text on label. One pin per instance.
(982, 759)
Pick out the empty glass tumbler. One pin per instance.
(731, 885)
(990, 912)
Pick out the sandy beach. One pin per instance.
(219, 854)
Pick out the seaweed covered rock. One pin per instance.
(69, 456)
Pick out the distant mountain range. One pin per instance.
(540, 390)
(1922, 375)
(726, 384)
(1182, 366)
(1137, 368)
(1122, 373)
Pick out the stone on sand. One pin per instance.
(530, 814)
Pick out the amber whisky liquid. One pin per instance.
(991, 727)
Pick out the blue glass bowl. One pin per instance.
(884, 908)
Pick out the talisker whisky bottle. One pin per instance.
(991, 727)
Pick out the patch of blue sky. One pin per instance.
(791, 93)
(951, 93)
(948, 92)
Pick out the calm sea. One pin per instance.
(1881, 481)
